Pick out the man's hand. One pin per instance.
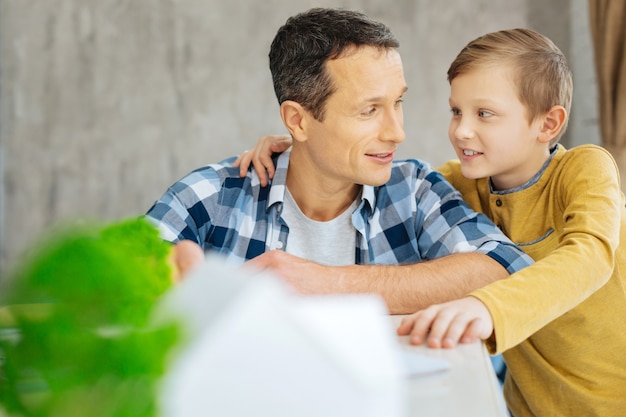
(444, 325)
(304, 276)
(185, 256)
(261, 156)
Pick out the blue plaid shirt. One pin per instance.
(417, 215)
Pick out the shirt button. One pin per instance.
(279, 245)
(499, 203)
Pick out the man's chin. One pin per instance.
(377, 182)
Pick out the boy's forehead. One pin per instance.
(487, 85)
(487, 69)
(488, 77)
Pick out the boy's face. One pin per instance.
(363, 124)
(490, 131)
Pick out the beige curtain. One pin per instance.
(608, 31)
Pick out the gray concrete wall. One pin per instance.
(104, 103)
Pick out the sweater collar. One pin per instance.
(535, 178)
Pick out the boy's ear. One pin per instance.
(553, 122)
(295, 119)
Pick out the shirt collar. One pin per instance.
(368, 195)
(279, 184)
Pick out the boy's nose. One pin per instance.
(463, 130)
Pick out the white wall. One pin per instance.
(104, 103)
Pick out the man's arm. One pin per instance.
(405, 288)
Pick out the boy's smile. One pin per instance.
(467, 153)
(490, 131)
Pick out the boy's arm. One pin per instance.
(582, 257)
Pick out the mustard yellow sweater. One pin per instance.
(561, 322)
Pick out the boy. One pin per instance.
(559, 323)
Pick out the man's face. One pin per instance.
(363, 123)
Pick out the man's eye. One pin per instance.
(455, 112)
(369, 111)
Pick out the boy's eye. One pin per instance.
(455, 111)
(484, 113)
(399, 102)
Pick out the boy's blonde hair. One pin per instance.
(540, 70)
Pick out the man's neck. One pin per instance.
(318, 197)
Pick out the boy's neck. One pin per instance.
(534, 171)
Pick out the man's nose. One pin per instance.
(393, 127)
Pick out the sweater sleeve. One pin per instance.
(574, 262)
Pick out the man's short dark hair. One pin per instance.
(304, 44)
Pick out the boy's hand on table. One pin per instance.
(445, 325)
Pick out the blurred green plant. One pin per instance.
(75, 333)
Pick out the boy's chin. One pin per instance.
(472, 174)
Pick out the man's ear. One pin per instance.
(295, 119)
(553, 122)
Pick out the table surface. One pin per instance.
(469, 388)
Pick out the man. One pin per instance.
(340, 216)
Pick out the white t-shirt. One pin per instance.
(329, 243)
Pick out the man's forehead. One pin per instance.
(355, 53)
(369, 72)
